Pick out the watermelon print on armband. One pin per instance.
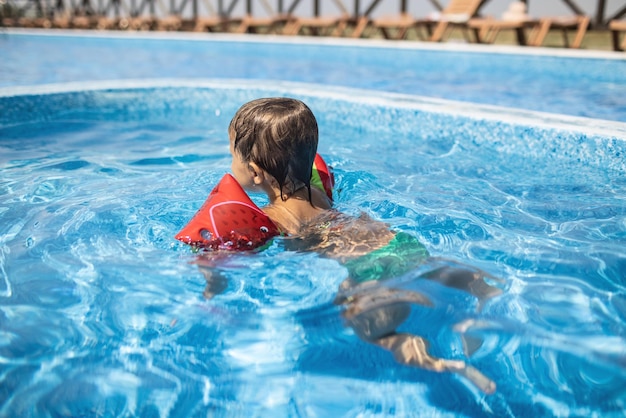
(228, 220)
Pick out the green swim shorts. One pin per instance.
(403, 253)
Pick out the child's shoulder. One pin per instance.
(291, 214)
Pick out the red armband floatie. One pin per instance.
(228, 220)
(322, 176)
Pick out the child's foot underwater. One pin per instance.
(412, 350)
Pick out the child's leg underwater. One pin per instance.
(463, 277)
(374, 312)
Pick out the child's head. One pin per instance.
(280, 136)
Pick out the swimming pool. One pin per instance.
(102, 311)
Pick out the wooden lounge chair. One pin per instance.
(271, 24)
(358, 24)
(391, 26)
(318, 25)
(67, 21)
(487, 29)
(394, 27)
(169, 23)
(616, 27)
(137, 23)
(564, 24)
(456, 14)
(235, 24)
(225, 21)
(214, 22)
(514, 18)
(211, 24)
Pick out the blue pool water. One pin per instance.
(579, 83)
(102, 312)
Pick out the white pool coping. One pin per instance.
(589, 126)
(322, 40)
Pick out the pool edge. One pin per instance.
(493, 113)
(329, 41)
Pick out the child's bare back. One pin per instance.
(340, 236)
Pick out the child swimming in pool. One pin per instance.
(273, 142)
